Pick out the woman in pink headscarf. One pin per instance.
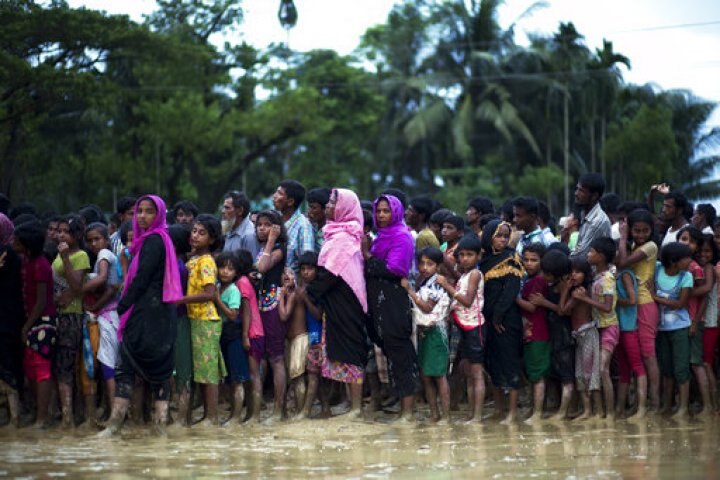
(339, 289)
(147, 315)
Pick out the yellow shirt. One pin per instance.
(604, 284)
(645, 271)
(79, 261)
(201, 272)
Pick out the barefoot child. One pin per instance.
(205, 324)
(537, 338)
(584, 330)
(673, 284)
(555, 266)
(629, 359)
(292, 312)
(431, 310)
(709, 255)
(467, 311)
(227, 301)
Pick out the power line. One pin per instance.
(669, 27)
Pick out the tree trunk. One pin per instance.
(592, 146)
(566, 152)
(603, 125)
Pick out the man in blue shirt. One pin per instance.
(287, 199)
(236, 221)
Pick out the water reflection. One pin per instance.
(337, 449)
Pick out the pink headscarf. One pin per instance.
(6, 230)
(172, 286)
(340, 253)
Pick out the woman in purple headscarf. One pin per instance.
(147, 314)
(386, 263)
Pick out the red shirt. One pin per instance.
(34, 271)
(537, 328)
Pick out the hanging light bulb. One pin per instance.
(287, 14)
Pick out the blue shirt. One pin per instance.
(300, 239)
(243, 237)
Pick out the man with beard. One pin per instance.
(239, 230)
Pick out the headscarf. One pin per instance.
(172, 286)
(394, 243)
(340, 253)
(6, 230)
(495, 264)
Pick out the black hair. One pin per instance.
(629, 207)
(189, 207)
(245, 262)
(275, 219)
(694, 232)
(125, 229)
(180, 237)
(506, 211)
(92, 214)
(483, 205)
(20, 208)
(593, 182)
(673, 252)
(544, 212)
(707, 211)
(709, 239)
(4, 204)
(555, 262)
(77, 226)
(214, 229)
(24, 218)
(433, 253)
(424, 205)
(366, 205)
(679, 199)
(536, 248)
(485, 219)
(31, 235)
(606, 247)
(367, 218)
(308, 258)
(295, 190)
(240, 200)
(438, 217)
(456, 221)
(320, 195)
(610, 203)
(125, 204)
(100, 227)
(469, 242)
(582, 265)
(640, 215)
(114, 220)
(228, 258)
(397, 193)
(559, 246)
(528, 204)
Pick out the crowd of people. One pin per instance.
(611, 313)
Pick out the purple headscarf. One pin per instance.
(172, 287)
(393, 244)
(6, 230)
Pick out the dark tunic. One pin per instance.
(562, 360)
(345, 321)
(390, 327)
(149, 335)
(12, 317)
(504, 350)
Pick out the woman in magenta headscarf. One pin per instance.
(339, 288)
(386, 263)
(147, 315)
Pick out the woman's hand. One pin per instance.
(63, 249)
(275, 231)
(365, 247)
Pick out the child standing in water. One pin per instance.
(584, 330)
(104, 284)
(709, 255)
(69, 270)
(228, 301)
(431, 310)
(205, 324)
(537, 347)
(467, 311)
(673, 284)
(253, 336)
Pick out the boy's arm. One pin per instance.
(467, 299)
(286, 304)
(207, 295)
(704, 285)
(525, 305)
(229, 313)
(100, 279)
(681, 302)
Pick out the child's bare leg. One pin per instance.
(310, 394)
(512, 407)
(565, 398)
(682, 410)
(356, 400)
(90, 411)
(622, 392)
(184, 409)
(374, 381)
(499, 400)
(65, 390)
(13, 400)
(324, 389)
(238, 398)
(712, 382)
(642, 397)
(210, 394)
(431, 397)
(110, 391)
(476, 377)
(43, 392)
(653, 379)
(137, 399)
(668, 390)
(443, 388)
(587, 405)
(280, 384)
(607, 385)
(253, 411)
(704, 386)
(117, 416)
(407, 407)
(300, 393)
(538, 401)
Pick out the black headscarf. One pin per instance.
(497, 264)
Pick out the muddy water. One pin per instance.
(339, 449)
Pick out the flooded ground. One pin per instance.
(336, 448)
